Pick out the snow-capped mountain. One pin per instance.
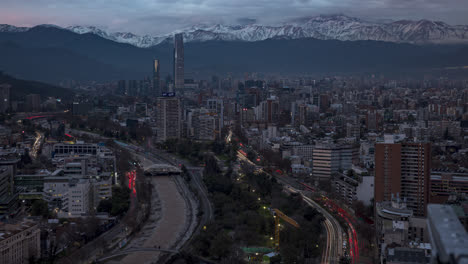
(339, 27)
(10, 28)
(121, 37)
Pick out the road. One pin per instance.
(37, 144)
(334, 248)
(172, 217)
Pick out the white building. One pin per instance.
(69, 197)
(329, 158)
(79, 197)
(365, 190)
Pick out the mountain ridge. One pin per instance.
(323, 27)
(54, 55)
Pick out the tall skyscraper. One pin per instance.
(179, 61)
(403, 168)
(156, 79)
(168, 118)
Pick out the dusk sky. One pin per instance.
(163, 16)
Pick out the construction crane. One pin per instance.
(277, 214)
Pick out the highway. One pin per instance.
(172, 218)
(334, 248)
(37, 144)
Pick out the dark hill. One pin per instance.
(21, 88)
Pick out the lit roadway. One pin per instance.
(37, 144)
(334, 248)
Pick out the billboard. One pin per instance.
(169, 94)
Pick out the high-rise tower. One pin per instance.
(156, 79)
(168, 118)
(179, 61)
(403, 169)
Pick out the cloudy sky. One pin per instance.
(163, 16)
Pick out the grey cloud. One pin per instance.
(246, 21)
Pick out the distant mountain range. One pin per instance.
(324, 27)
(53, 54)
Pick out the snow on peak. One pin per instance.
(10, 28)
(336, 26)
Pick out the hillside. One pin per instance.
(21, 88)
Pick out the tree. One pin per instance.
(185, 173)
(220, 246)
(120, 200)
(310, 213)
(345, 260)
(105, 206)
(40, 208)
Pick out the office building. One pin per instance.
(69, 197)
(179, 61)
(8, 194)
(80, 197)
(4, 97)
(204, 124)
(168, 118)
(216, 106)
(78, 149)
(20, 243)
(329, 158)
(404, 169)
(268, 110)
(156, 78)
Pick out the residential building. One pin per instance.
(8, 193)
(345, 187)
(446, 183)
(217, 106)
(168, 118)
(19, 243)
(69, 197)
(403, 168)
(268, 110)
(205, 125)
